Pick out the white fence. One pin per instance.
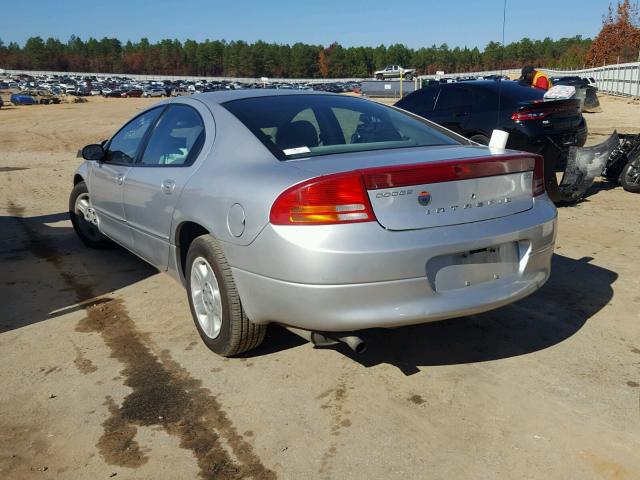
(622, 79)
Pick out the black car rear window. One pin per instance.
(295, 126)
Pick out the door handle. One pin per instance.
(168, 186)
(119, 179)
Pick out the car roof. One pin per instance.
(228, 95)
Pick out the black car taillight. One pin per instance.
(524, 115)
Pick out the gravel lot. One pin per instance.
(103, 374)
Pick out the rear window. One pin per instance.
(295, 126)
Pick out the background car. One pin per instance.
(328, 213)
(154, 92)
(22, 99)
(135, 92)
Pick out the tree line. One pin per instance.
(300, 60)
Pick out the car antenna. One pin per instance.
(504, 21)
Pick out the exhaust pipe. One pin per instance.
(326, 339)
(354, 342)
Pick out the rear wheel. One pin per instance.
(408, 76)
(84, 220)
(215, 302)
(630, 177)
(481, 139)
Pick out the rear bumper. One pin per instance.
(381, 304)
(536, 142)
(318, 286)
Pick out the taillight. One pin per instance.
(527, 115)
(338, 198)
(543, 109)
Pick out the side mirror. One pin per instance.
(93, 152)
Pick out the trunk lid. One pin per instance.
(438, 186)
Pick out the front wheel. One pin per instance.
(630, 177)
(215, 302)
(379, 76)
(84, 219)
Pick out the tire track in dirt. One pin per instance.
(163, 392)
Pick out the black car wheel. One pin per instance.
(630, 177)
(408, 76)
(379, 76)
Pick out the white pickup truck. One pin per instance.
(393, 71)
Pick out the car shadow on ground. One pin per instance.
(576, 291)
(32, 289)
(39, 256)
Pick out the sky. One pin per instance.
(415, 23)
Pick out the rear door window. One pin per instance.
(454, 97)
(421, 102)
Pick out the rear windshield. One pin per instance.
(295, 126)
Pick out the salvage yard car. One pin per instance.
(154, 92)
(318, 211)
(33, 97)
(134, 92)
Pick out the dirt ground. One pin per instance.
(103, 374)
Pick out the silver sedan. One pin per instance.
(327, 213)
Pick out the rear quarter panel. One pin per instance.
(238, 169)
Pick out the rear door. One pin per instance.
(107, 177)
(155, 182)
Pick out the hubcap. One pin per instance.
(87, 219)
(205, 295)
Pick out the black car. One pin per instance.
(474, 109)
(114, 93)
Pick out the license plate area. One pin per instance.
(473, 267)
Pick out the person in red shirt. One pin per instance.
(532, 77)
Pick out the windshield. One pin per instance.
(295, 126)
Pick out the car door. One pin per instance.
(154, 183)
(107, 177)
(453, 107)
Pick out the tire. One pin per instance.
(481, 139)
(211, 289)
(630, 177)
(379, 76)
(408, 77)
(88, 233)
